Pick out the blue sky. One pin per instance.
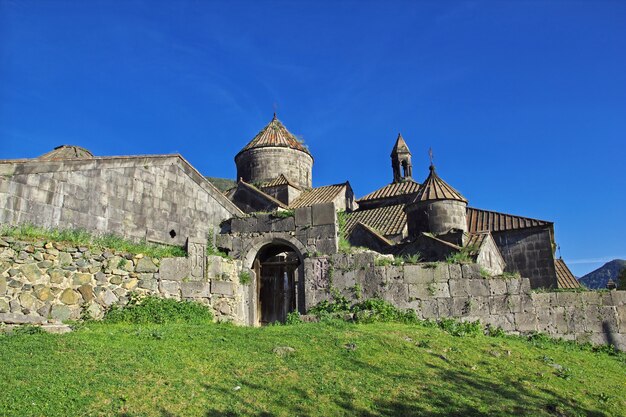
(523, 103)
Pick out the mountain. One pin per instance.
(600, 277)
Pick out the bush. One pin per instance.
(152, 309)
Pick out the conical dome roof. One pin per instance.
(400, 146)
(434, 188)
(275, 134)
(67, 152)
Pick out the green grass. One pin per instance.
(79, 237)
(337, 369)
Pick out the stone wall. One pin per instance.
(441, 290)
(529, 251)
(158, 198)
(43, 281)
(311, 230)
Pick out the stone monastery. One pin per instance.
(297, 245)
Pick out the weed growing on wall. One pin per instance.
(80, 237)
(244, 277)
(152, 309)
(283, 214)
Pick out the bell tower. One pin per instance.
(401, 161)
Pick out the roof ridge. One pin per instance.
(269, 197)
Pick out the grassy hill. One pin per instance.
(335, 369)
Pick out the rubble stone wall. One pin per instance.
(441, 290)
(43, 281)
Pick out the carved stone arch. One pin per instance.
(262, 241)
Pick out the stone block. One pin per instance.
(146, 265)
(444, 307)
(618, 298)
(525, 287)
(31, 272)
(455, 271)
(60, 312)
(497, 287)
(174, 269)
(397, 293)
(421, 291)
(79, 278)
(525, 322)
(108, 298)
(459, 288)
(393, 273)
(86, 291)
(3, 285)
(147, 282)
(513, 286)
(498, 304)
(322, 214)
(195, 289)
(327, 246)
(441, 289)
(429, 309)
(608, 318)
(565, 299)
(417, 274)
(621, 314)
(222, 288)
(16, 318)
(69, 297)
(460, 306)
(170, 288)
(505, 322)
(344, 280)
(441, 273)
(302, 216)
(479, 287)
(224, 241)
(471, 271)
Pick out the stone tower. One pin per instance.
(437, 208)
(272, 152)
(401, 161)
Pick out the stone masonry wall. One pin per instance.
(310, 230)
(44, 282)
(529, 252)
(441, 290)
(158, 198)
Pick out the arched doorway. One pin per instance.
(280, 287)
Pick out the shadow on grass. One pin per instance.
(453, 393)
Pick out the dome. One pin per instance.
(275, 134)
(67, 152)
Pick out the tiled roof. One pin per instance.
(564, 277)
(275, 134)
(392, 190)
(280, 180)
(388, 220)
(400, 146)
(479, 220)
(434, 188)
(66, 152)
(318, 195)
